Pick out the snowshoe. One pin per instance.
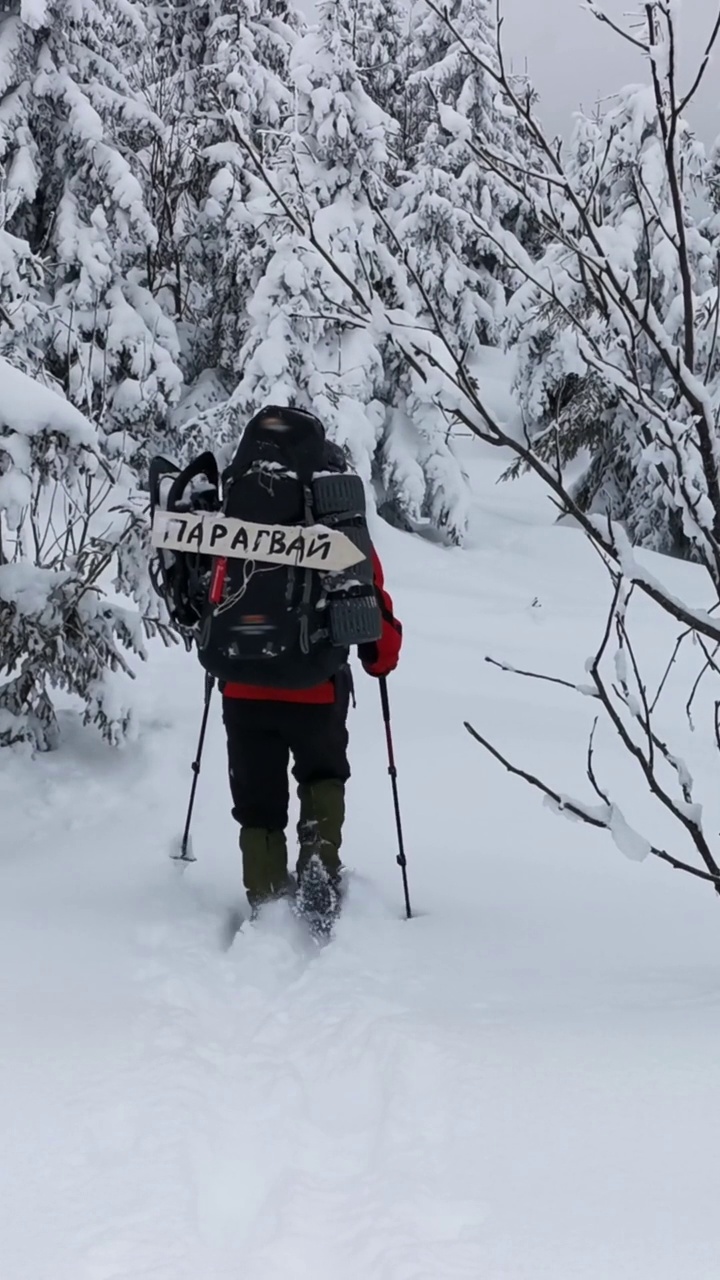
(182, 579)
(318, 901)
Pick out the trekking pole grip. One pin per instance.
(385, 699)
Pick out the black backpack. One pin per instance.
(282, 626)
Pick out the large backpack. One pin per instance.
(284, 626)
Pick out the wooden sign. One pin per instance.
(307, 547)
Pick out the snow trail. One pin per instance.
(518, 1084)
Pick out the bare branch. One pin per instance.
(673, 659)
(586, 690)
(607, 21)
(709, 665)
(714, 35)
(591, 765)
(689, 820)
(530, 778)
(566, 805)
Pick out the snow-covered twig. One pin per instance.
(587, 691)
(601, 16)
(591, 764)
(702, 70)
(623, 707)
(602, 818)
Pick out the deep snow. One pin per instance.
(518, 1085)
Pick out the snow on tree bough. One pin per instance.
(307, 547)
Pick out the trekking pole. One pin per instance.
(392, 770)
(186, 852)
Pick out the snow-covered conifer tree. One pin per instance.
(217, 60)
(302, 344)
(379, 41)
(60, 550)
(71, 130)
(440, 215)
(305, 344)
(567, 408)
(573, 407)
(79, 314)
(450, 198)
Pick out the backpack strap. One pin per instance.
(306, 602)
(311, 452)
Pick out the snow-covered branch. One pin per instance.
(628, 710)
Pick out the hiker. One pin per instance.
(273, 617)
(266, 726)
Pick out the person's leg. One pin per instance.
(258, 760)
(318, 739)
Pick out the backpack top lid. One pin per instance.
(287, 418)
(283, 433)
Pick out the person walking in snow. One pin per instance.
(269, 725)
(276, 631)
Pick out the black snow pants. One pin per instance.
(262, 736)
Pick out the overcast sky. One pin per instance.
(573, 60)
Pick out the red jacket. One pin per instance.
(378, 659)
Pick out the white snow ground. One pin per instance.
(521, 1084)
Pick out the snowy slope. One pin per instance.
(518, 1085)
